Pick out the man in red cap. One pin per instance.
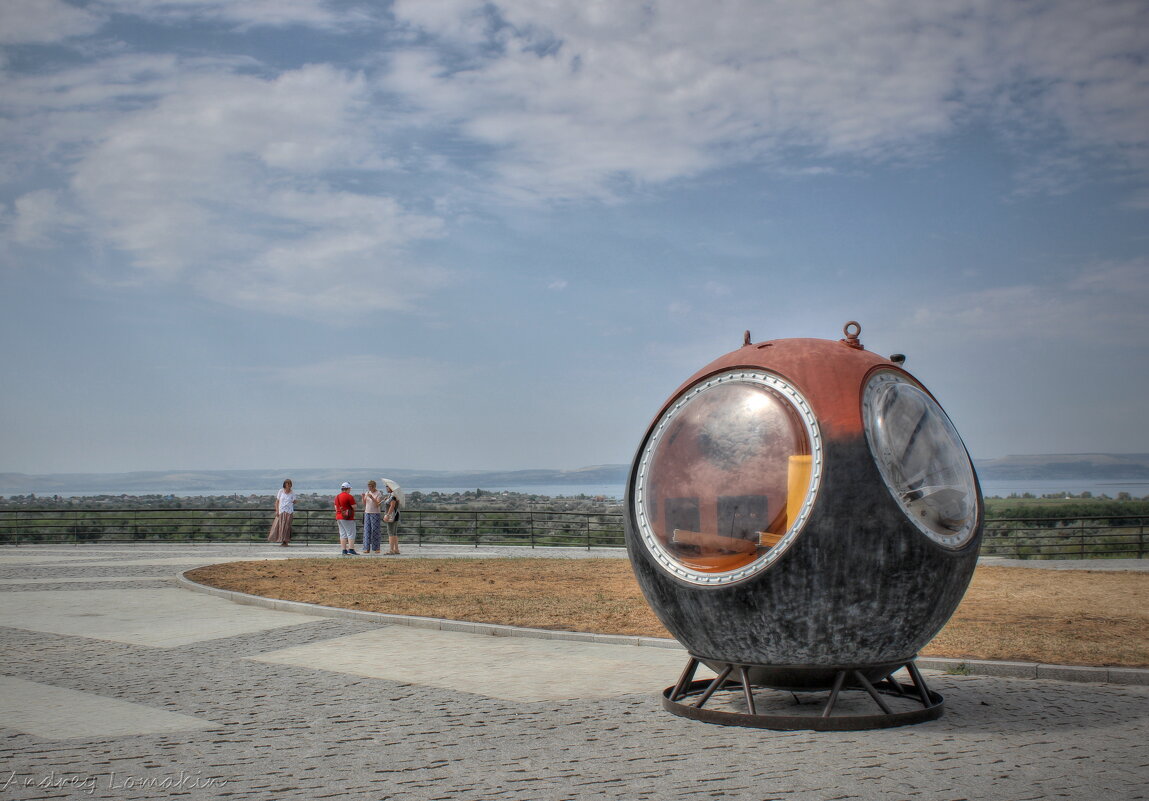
(345, 519)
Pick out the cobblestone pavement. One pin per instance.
(118, 683)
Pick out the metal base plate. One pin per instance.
(735, 701)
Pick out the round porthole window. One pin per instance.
(921, 458)
(727, 477)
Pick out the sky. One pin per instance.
(452, 234)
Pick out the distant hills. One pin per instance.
(223, 482)
(1056, 466)
(1073, 466)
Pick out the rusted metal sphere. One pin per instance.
(803, 506)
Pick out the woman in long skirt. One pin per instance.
(284, 512)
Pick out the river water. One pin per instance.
(998, 488)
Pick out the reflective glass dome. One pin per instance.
(727, 477)
(921, 458)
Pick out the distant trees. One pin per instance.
(478, 499)
(1064, 508)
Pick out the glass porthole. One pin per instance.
(921, 457)
(727, 477)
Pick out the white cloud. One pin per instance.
(1084, 63)
(1139, 199)
(1101, 305)
(379, 375)
(56, 116)
(585, 99)
(345, 255)
(243, 13)
(231, 176)
(674, 89)
(457, 21)
(38, 215)
(43, 21)
(222, 183)
(1069, 81)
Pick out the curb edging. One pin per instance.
(972, 667)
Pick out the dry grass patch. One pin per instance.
(1022, 614)
(1075, 617)
(562, 594)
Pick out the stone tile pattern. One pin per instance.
(287, 732)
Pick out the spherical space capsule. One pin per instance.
(803, 512)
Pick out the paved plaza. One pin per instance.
(120, 682)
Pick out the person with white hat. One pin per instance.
(345, 519)
(391, 505)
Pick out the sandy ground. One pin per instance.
(1079, 617)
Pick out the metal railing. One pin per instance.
(1018, 538)
(532, 529)
(1067, 538)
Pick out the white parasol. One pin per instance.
(395, 490)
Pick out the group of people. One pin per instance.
(378, 509)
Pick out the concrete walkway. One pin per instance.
(117, 682)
